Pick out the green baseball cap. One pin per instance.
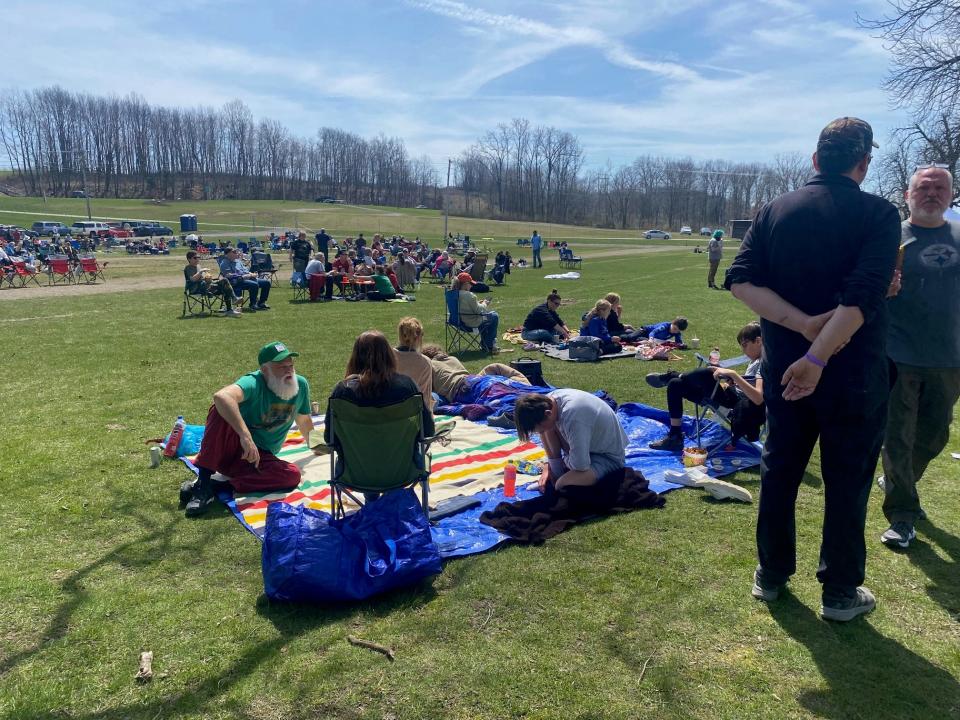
(275, 352)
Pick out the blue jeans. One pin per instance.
(545, 336)
(488, 330)
(259, 290)
(537, 262)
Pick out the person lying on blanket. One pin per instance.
(666, 331)
(723, 387)
(451, 380)
(580, 434)
(246, 427)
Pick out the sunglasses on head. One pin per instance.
(929, 166)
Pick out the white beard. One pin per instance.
(283, 389)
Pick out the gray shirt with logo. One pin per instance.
(925, 314)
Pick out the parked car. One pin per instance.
(706, 232)
(324, 199)
(89, 228)
(151, 229)
(50, 227)
(118, 231)
(420, 207)
(656, 235)
(78, 194)
(686, 230)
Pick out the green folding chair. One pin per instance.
(377, 449)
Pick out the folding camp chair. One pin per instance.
(459, 337)
(376, 449)
(708, 406)
(569, 260)
(262, 264)
(202, 303)
(89, 270)
(301, 289)
(478, 268)
(21, 275)
(59, 271)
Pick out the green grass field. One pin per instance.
(641, 615)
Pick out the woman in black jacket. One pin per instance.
(543, 325)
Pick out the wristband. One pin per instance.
(815, 360)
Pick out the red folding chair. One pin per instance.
(59, 271)
(22, 275)
(89, 270)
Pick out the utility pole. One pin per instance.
(446, 212)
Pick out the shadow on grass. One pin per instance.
(867, 674)
(140, 552)
(944, 587)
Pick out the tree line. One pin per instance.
(126, 147)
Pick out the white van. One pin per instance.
(89, 228)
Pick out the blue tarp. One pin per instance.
(463, 534)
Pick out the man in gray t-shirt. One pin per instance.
(580, 433)
(924, 343)
(715, 255)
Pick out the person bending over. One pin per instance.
(721, 386)
(543, 324)
(452, 381)
(595, 325)
(580, 433)
(373, 381)
(246, 427)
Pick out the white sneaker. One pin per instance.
(234, 313)
(723, 490)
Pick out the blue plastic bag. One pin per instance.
(190, 442)
(309, 556)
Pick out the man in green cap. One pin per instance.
(246, 427)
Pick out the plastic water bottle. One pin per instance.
(176, 435)
(510, 480)
(715, 356)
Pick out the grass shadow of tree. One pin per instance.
(867, 674)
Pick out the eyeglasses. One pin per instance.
(930, 166)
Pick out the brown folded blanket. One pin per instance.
(540, 518)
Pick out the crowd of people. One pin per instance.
(855, 348)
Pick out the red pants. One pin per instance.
(221, 451)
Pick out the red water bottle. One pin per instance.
(176, 435)
(510, 480)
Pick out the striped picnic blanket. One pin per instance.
(472, 462)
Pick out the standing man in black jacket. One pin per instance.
(816, 265)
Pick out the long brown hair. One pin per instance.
(372, 362)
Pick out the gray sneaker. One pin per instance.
(899, 534)
(764, 591)
(845, 610)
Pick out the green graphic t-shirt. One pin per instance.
(266, 415)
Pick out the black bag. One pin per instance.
(585, 349)
(532, 370)
(746, 420)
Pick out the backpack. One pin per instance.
(585, 349)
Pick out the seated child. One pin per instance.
(743, 394)
(595, 325)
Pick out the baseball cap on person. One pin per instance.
(465, 277)
(275, 352)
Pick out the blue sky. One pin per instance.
(731, 80)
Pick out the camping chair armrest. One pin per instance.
(442, 436)
(322, 449)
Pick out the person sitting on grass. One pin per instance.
(411, 362)
(719, 386)
(452, 381)
(475, 315)
(385, 289)
(543, 324)
(626, 333)
(372, 380)
(581, 436)
(246, 427)
(666, 331)
(595, 325)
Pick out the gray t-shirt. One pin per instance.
(715, 249)
(588, 425)
(925, 315)
(750, 375)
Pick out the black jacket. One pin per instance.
(542, 318)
